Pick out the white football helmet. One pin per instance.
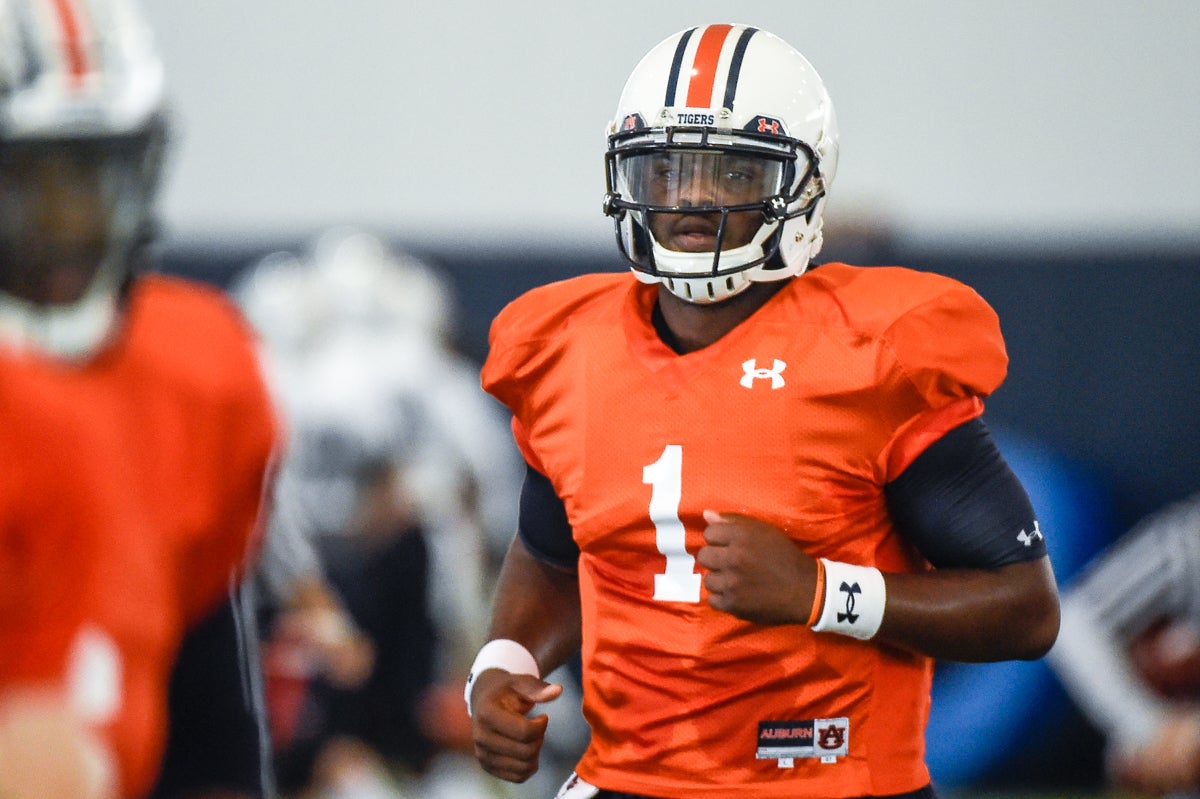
(82, 133)
(733, 120)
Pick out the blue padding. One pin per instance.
(984, 714)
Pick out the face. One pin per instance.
(56, 206)
(701, 180)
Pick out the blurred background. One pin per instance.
(1045, 152)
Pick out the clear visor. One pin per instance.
(698, 178)
(64, 207)
(94, 177)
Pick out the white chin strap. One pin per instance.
(676, 269)
(71, 332)
(701, 290)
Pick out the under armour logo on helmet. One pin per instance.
(752, 373)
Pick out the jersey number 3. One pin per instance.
(679, 583)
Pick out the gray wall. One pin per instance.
(479, 122)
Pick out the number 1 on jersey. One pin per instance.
(679, 583)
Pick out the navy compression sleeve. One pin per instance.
(542, 522)
(961, 504)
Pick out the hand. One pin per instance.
(318, 622)
(756, 572)
(47, 752)
(507, 740)
(1169, 763)
(335, 645)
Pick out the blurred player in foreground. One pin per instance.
(759, 498)
(1129, 652)
(138, 430)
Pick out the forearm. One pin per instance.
(974, 615)
(537, 605)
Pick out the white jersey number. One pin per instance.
(679, 583)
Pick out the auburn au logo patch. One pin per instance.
(827, 739)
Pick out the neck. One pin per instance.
(686, 327)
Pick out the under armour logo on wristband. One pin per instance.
(850, 589)
(854, 598)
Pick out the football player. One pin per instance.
(1129, 653)
(760, 497)
(138, 430)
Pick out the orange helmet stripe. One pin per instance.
(74, 52)
(704, 68)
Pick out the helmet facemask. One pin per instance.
(71, 210)
(697, 208)
(74, 214)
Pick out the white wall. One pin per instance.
(479, 120)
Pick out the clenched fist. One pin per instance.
(755, 572)
(507, 740)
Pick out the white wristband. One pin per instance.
(854, 600)
(500, 654)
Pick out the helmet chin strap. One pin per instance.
(706, 291)
(688, 276)
(71, 331)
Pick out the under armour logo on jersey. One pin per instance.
(752, 373)
(1028, 538)
(850, 589)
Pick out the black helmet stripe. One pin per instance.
(735, 66)
(676, 66)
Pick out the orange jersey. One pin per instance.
(131, 495)
(798, 417)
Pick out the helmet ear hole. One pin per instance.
(774, 263)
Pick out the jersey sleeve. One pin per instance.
(520, 352)
(502, 375)
(526, 351)
(939, 359)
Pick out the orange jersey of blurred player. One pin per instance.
(132, 490)
(799, 418)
